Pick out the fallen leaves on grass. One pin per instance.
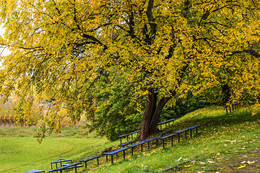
(242, 166)
(248, 162)
(179, 159)
(187, 166)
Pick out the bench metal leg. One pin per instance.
(179, 137)
(227, 110)
(112, 158)
(75, 169)
(132, 149)
(185, 134)
(141, 147)
(106, 158)
(191, 133)
(172, 140)
(163, 143)
(97, 161)
(124, 154)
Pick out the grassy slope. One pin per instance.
(223, 136)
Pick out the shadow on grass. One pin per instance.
(237, 117)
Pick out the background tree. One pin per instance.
(165, 49)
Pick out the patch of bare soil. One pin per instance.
(246, 162)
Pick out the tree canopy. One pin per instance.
(85, 55)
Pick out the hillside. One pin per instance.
(225, 143)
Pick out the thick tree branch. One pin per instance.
(249, 51)
(95, 40)
(151, 20)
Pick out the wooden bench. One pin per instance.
(111, 153)
(127, 143)
(191, 128)
(234, 106)
(168, 136)
(166, 123)
(60, 161)
(227, 107)
(91, 158)
(127, 135)
(152, 139)
(178, 134)
(34, 171)
(164, 132)
(67, 166)
(137, 144)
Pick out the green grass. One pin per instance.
(20, 151)
(220, 145)
(224, 137)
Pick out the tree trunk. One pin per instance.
(156, 116)
(152, 114)
(148, 113)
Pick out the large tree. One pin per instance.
(61, 50)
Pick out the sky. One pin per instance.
(3, 51)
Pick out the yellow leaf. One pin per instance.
(242, 166)
(187, 166)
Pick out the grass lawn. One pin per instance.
(20, 152)
(225, 143)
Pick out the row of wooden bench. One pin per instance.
(62, 166)
(129, 145)
(133, 144)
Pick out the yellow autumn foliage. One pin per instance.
(61, 48)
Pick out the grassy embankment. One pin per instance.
(226, 143)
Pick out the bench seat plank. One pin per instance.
(111, 153)
(91, 158)
(127, 143)
(67, 166)
(35, 171)
(164, 132)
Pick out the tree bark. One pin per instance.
(156, 115)
(152, 115)
(148, 114)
